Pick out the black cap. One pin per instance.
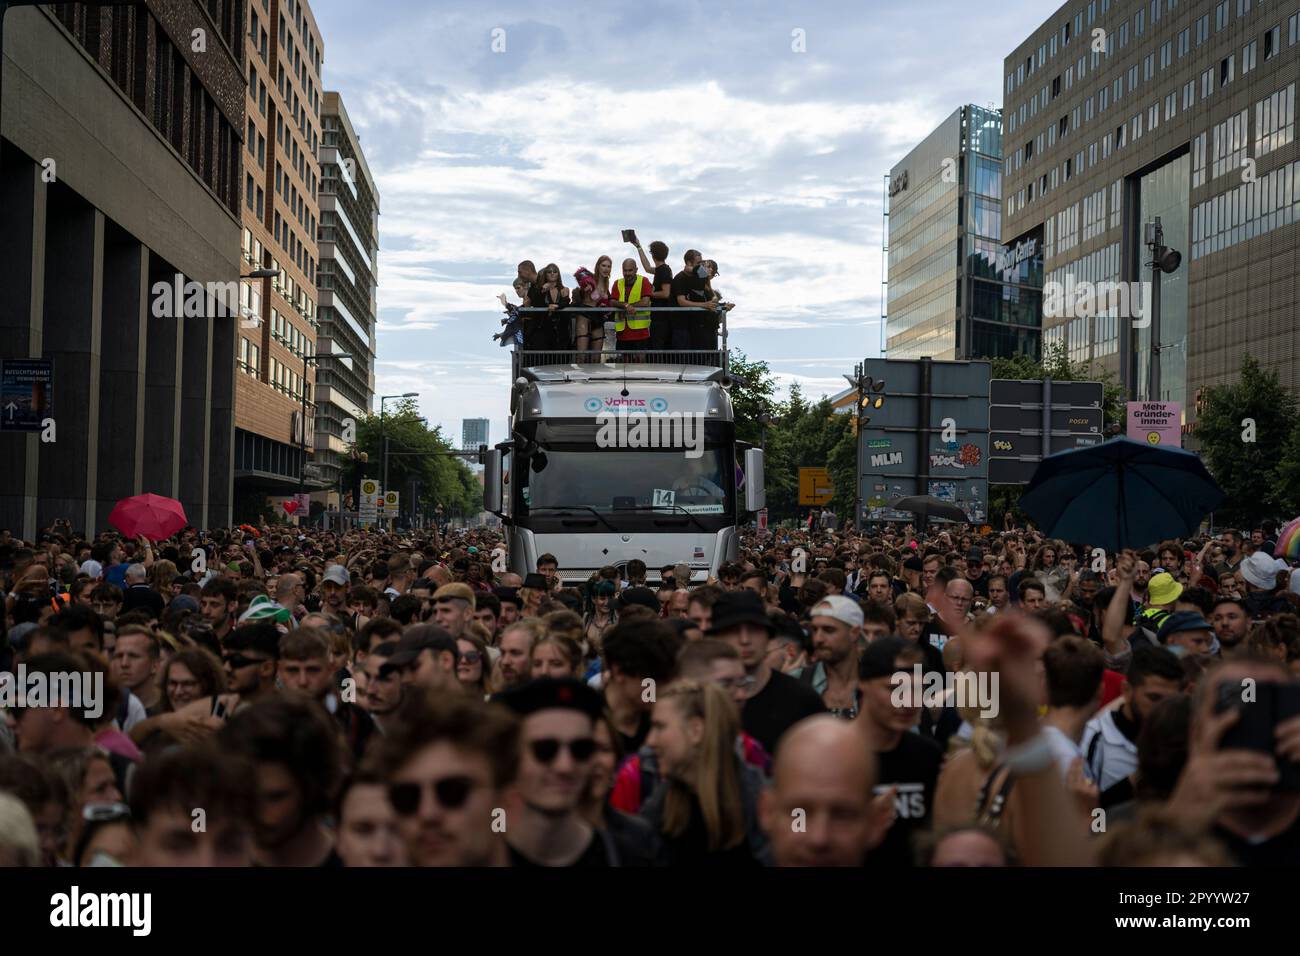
(734, 608)
(537, 581)
(643, 596)
(422, 637)
(880, 657)
(974, 554)
(914, 564)
(551, 693)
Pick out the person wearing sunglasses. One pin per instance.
(446, 763)
(557, 737)
(251, 656)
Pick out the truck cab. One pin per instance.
(631, 455)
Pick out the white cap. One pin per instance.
(843, 609)
(93, 568)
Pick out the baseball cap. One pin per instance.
(262, 608)
(974, 554)
(1163, 589)
(455, 591)
(734, 608)
(1182, 621)
(93, 568)
(183, 602)
(508, 595)
(914, 564)
(337, 574)
(843, 609)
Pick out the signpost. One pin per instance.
(368, 513)
(929, 435)
(815, 486)
(1156, 423)
(26, 394)
(1030, 419)
(762, 523)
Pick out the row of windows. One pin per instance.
(1249, 210)
(284, 379)
(1071, 29)
(1081, 344)
(1226, 74)
(1094, 213)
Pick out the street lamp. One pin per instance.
(1163, 260)
(383, 429)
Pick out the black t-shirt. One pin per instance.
(663, 277)
(635, 742)
(912, 767)
(594, 855)
(688, 284)
(980, 584)
(1281, 850)
(777, 707)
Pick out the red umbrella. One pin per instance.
(153, 516)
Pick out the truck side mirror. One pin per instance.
(492, 481)
(755, 494)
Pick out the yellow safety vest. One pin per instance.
(639, 320)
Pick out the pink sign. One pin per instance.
(1156, 423)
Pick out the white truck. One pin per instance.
(620, 456)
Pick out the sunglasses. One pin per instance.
(546, 749)
(450, 792)
(471, 657)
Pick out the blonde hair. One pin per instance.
(569, 648)
(19, 844)
(162, 574)
(716, 783)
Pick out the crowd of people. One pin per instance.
(656, 311)
(279, 696)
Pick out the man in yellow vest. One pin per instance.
(633, 319)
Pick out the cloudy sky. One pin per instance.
(757, 132)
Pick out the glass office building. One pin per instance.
(1118, 113)
(947, 297)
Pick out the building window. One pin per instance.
(1243, 7)
(1275, 121)
(1189, 95)
(1292, 29)
(1123, 34)
(1248, 57)
(1227, 67)
(248, 190)
(1220, 15)
(1272, 42)
(1132, 78)
(1202, 29)
(1207, 83)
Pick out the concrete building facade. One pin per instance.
(347, 284)
(120, 145)
(1119, 112)
(284, 101)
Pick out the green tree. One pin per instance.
(1286, 476)
(417, 452)
(752, 391)
(1245, 431)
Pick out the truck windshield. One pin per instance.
(565, 468)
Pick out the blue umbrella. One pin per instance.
(1120, 494)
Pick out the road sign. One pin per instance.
(1076, 419)
(922, 438)
(762, 522)
(815, 486)
(368, 513)
(1029, 418)
(26, 394)
(1156, 423)
(391, 501)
